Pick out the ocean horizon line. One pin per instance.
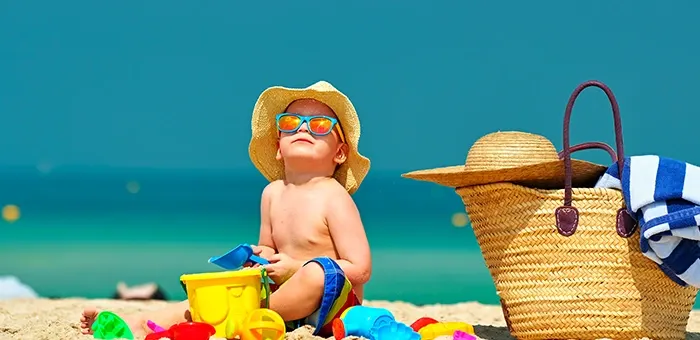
(91, 189)
(115, 170)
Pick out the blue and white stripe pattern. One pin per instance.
(663, 194)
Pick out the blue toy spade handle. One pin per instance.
(258, 260)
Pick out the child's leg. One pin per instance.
(168, 316)
(137, 323)
(301, 295)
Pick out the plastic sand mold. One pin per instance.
(108, 325)
(393, 331)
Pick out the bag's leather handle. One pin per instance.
(592, 145)
(567, 216)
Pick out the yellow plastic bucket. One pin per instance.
(223, 299)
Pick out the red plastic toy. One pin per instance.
(420, 323)
(158, 335)
(185, 331)
(338, 329)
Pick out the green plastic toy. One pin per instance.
(108, 325)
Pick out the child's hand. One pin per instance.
(282, 267)
(261, 251)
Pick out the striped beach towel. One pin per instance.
(663, 195)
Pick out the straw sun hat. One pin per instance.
(516, 157)
(274, 100)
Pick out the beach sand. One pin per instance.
(43, 319)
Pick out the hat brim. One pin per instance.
(263, 144)
(548, 175)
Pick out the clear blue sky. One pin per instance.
(171, 84)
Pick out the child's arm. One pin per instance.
(266, 246)
(349, 237)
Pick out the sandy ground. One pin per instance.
(41, 319)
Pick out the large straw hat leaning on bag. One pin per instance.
(274, 100)
(511, 156)
(566, 263)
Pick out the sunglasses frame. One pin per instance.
(307, 120)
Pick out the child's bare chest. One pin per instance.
(298, 223)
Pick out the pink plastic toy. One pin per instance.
(459, 335)
(155, 328)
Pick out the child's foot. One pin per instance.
(90, 314)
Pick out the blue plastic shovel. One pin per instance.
(237, 257)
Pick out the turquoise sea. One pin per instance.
(82, 230)
(171, 85)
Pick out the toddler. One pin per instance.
(305, 143)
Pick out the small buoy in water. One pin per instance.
(460, 220)
(133, 187)
(10, 213)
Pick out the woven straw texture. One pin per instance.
(511, 156)
(594, 284)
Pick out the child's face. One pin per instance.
(303, 144)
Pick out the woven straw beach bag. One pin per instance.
(573, 271)
(564, 256)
